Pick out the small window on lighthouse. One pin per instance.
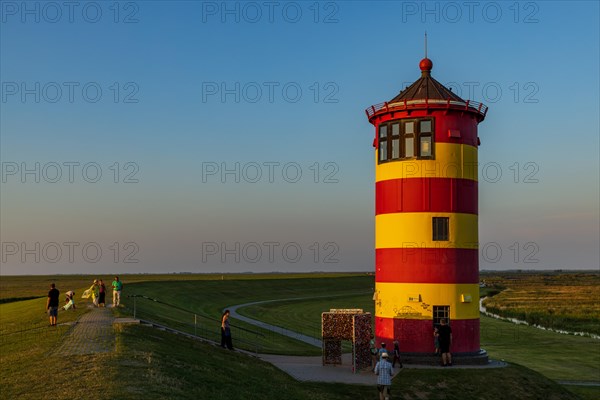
(382, 131)
(425, 126)
(383, 150)
(425, 146)
(383, 142)
(409, 146)
(395, 141)
(395, 149)
(440, 228)
(439, 313)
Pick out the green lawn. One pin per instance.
(207, 298)
(560, 357)
(150, 364)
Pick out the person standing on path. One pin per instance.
(226, 331)
(445, 340)
(384, 373)
(52, 304)
(94, 292)
(101, 293)
(396, 354)
(382, 350)
(373, 350)
(117, 286)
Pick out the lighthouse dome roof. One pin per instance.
(426, 87)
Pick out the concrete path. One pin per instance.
(580, 383)
(92, 333)
(277, 329)
(311, 369)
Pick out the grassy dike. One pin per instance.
(150, 364)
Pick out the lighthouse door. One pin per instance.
(439, 313)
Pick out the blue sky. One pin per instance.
(133, 112)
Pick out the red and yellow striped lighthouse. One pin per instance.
(426, 224)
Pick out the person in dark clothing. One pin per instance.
(396, 354)
(226, 331)
(101, 294)
(52, 304)
(445, 339)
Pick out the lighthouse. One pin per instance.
(426, 217)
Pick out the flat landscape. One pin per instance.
(152, 364)
(559, 300)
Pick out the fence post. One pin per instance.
(134, 306)
(195, 321)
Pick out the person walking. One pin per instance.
(382, 350)
(384, 372)
(93, 291)
(445, 340)
(373, 350)
(117, 286)
(226, 331)
(52, 304)
(101, 293)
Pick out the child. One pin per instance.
(436, 340)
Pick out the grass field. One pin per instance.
(557, 356)
(207, 298)
(30, 286)
(151, 364)
(557, 300)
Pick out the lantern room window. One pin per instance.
(406, 139)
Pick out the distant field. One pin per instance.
(565, 301)
(31, 286)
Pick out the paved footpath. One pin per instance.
(93, 333)
(312, 368)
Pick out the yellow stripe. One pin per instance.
(401, 230)
(451, 161)
(416, 300)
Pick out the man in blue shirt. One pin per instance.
(384, 373)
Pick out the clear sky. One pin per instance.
(156, 136)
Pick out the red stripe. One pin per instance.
(416, 336)
(422, 265)
(426, 194)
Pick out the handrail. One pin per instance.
(474, 106)
(193, 312)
